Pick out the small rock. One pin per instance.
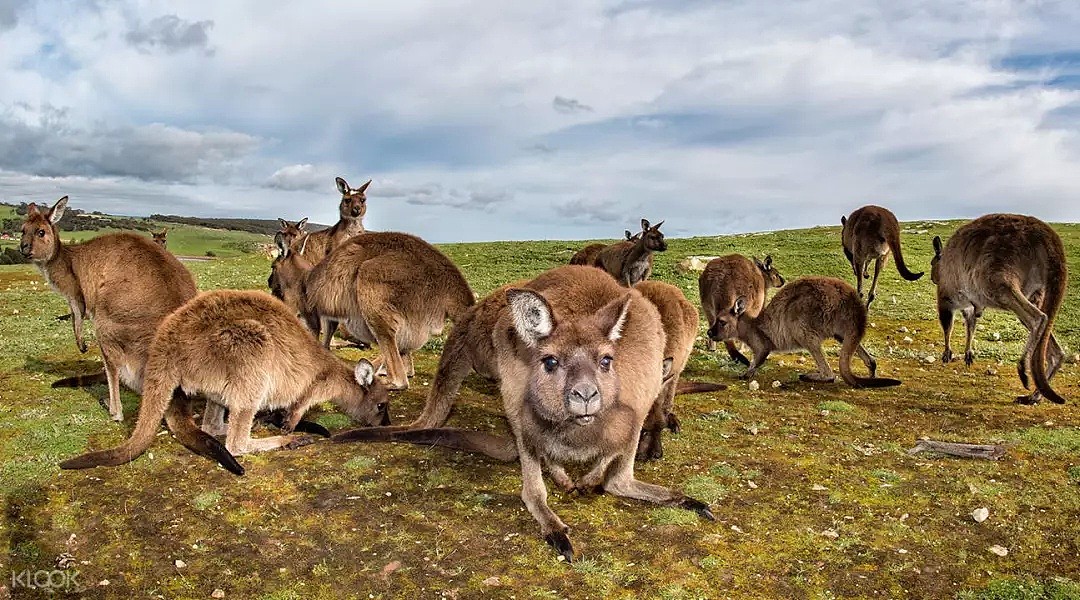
(873, 325)
(817, 487)
(776, 383)
(901, 551)
(754, 385)
(561, 558)
(829, 533)
(390, 567)
(15, 312)
(904, 517)
(907, 339)
(929, 360)
(998, 550)
(103, 582)
(180, 564)
(492, 582)
(980, 514)
(736, 529)
(903, 329)
(991, 371)
(218, 593)
(751, 484)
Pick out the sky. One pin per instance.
(492, 120)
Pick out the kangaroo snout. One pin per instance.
(583, 401)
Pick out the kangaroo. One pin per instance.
(125, 282)
(588, 254)
(263, 359)
(578, 359)
(289, 232)
(870, 233)
(393, 289)
(352, 209)
(631, 261)
(159, 237)
(680, 322)
(803, 314)
(727, 278)
(1011, 262)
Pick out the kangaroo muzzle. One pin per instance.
(583, 402)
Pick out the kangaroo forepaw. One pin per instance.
(969, 358)
(697, 506)
(561, 543)
(946, 356)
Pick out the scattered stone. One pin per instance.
(561, 558)
(103, 582)
(873, 325)
(776, 383)
(901, 551)
(903, 329)
(904, 517)
(991, 371)
(737, 529)
(754, 385)
(980, 514)
(389, 569)
(817, 487)
(15, 311)
(180, 564)
(751, 484)
(996, 336)
(218, 593)
(829, 533)
(929, 360)
(492, 582)
(907, 339)
(998, 550)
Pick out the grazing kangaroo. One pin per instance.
(159, 237)
(392, 289)
(679, 319)
(631, 261)
(125, 282)
(262, 359)
(870, 233)
(1011, 262)
(588, 254)
(727, 278)
(803, 314)
(352, 209)
(578, 359)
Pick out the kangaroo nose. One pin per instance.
(24, 249)
(714, 332)
(583, 401)
(356, 212)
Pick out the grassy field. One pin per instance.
(814, 491)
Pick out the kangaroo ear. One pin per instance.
(57, 211)
(760, 265)
(282, 247)
(612, 316)
(531, 314)
(628, 234)
(32, 209)
(342, 186)
(300, 225)
(665, 368)
(644, 224)
(363, 188)
(364, 373)
(843, 221)
(768, 261)
(740, 306)
(937, 245)
(284, 224)
(657, 226)
(164, 230)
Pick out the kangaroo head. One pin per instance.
(353, 200)
(287, 272)
(726, 325)
(289, 232)
(368, 401)
(40, 237)
(159, 237)
(651, 235)
(571, 378)
(934, 262)
(773, 278)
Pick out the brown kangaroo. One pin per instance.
(289, 232)
(125, 282)
(727, 278)
(1011, 262)
(588, 254)
(870, 233)
(680, 321)
(393, 289)
(263, 359)
(803, 314)
(352, 209)
(159, 237)
(631, 261)
(579, 364)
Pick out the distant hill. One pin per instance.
(260, 226)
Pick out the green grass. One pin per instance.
(777, 470)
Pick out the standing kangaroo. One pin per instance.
(578, 359)
(263, 359)
(727, 278)
(289, 232)
(679, 319)
(870, 233)
(160, 237)
(393, 289)
(352, 209)
(631, 261)
(125, 282)
(803, 314)
(1011, 262)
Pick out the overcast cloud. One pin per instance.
(564, 119)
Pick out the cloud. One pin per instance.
(434, 194)
(302, 177)
(569, 105)
(9, 10)
(582, 210)
(171, 34)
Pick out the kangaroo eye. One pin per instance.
(550, 363)
(605, 362)
(41, 233)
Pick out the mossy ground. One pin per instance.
(814, 492)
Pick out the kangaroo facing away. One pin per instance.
(393, 290)
(125, 282)
(263, 359)
(727, 278)
(588, 254)
(802, 315)
(579, 364)
(351, 212)
(870, 233)
(631, 261)
(679, 319)
(1010, 262)
(159, 237)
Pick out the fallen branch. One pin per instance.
(986, 451)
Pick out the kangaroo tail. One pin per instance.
(1055, 292)
(500, 448)
(81, 381)
(698, 387)
(893, 239)
(179, 417)
(847, 350)
(154, 404)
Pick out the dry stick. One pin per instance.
(986, 451)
